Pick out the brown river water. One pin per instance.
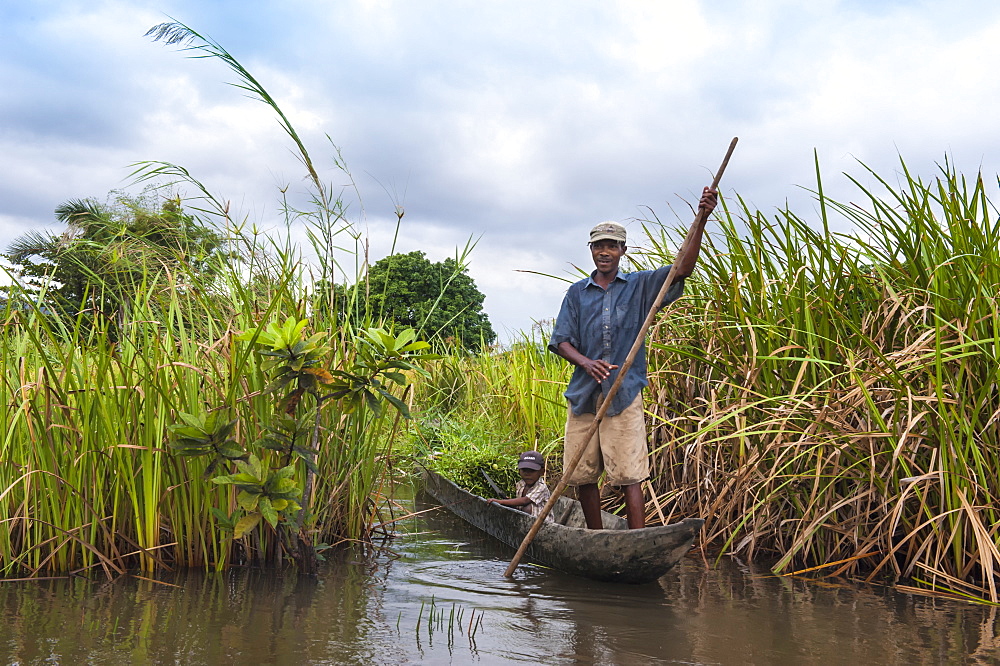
(439, 597)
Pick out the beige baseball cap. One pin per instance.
(607, 231)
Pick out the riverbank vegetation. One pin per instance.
(186, 391)
(821, 399)
(105, 411)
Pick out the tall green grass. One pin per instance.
(824, 397)
(86, 479)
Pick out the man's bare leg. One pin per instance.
(590, 500)
(635, 506)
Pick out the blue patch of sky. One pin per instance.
(66, 108)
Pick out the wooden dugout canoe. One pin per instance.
(614, 554)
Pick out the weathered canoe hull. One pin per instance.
(614, 554)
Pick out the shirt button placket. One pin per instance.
(606, 325)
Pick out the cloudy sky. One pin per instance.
(519, 124)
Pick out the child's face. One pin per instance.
(530, 476)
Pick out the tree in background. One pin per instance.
(107, 250)
(438, 299)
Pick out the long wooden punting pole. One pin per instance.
(636, 346)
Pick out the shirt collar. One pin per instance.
(624, 277)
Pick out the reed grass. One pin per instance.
(86, 479)
(822, 396)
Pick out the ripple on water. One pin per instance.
(379, 611)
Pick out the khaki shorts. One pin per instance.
(618, 447)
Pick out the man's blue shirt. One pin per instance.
(604, 324)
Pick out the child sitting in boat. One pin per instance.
(530, 493)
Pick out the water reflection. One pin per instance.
(440, 597)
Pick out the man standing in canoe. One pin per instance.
(600, 318)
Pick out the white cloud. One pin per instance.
(520, 122)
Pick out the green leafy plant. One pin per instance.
(206, 434)
(269, 486)
(461, 452)
(380, 356)
(262, 493)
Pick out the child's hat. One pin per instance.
(531, 460)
